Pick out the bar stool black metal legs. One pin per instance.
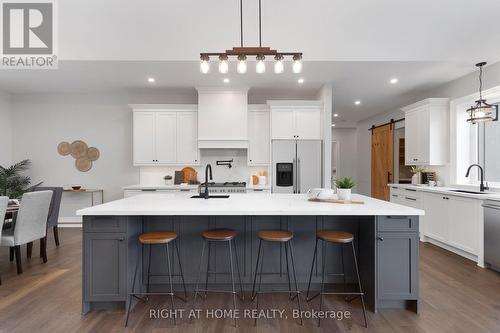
(157, 238)
(282, 237)
(341, 238)
(219, 235)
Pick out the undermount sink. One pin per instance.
(210, 197)
(470, 192)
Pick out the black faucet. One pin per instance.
(207, 168)
(482, 187)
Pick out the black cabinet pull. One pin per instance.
(380, 239)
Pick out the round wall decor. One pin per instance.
(78, 149)
(93, 154)
(64, 148)
(83, 155)
(83, 164)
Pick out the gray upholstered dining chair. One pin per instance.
(55, 204)
(3, 208)
(30, 225)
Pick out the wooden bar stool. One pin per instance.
(281, 237)
(150, 239)
(219, 235)
(341, 238)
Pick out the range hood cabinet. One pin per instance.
(222, 118)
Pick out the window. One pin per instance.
(489, 149)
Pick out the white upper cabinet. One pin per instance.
(165, 135)
(144, 137)
(258, 135)
(187, 137)
(292, 120)
(426, 132)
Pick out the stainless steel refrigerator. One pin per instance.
(296, 165)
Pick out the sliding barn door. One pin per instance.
(382, 160)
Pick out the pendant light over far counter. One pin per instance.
(259, 52)
(482, 111)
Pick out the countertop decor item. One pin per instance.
(76, 187)
(12, 182)
(168, 180)
(242, 52)
(338, 201)
(344, 186)
(320, 193)
(482, 111)
(80, 151)
(190, 175)
(417, 171)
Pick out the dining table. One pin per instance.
(11, 210)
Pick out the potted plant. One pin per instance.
(344, 186)
(417, 174)
(168, 180)
(12, 183)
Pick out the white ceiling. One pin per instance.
(437, 30)
(365, 81)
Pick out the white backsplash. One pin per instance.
(239, 171)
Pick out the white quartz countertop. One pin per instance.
(139, 187)
(244, 204)
(489, 195)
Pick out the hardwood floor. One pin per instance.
(456, 296)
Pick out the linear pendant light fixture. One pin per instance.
(242, 52)
(482, 111)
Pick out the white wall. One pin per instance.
(346, 139)
(5, 129)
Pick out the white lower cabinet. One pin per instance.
(454, 221)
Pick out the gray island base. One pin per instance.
(387, 246)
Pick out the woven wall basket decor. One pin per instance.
(83, 154)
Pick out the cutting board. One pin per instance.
(338, 201)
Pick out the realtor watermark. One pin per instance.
(247, 314)
(28, 34)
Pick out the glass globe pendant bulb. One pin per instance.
(241, 67)
(204, 65)
(223, 64)
(279, 66)
(260, 67)
(297, 64)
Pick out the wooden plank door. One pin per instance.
(382, 160)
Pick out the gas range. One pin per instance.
(226, 187)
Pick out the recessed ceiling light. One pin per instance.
(300, 81)
(226, 80)
(394, 80)
(357, 102)
(335, 114)
(333, 125)
(151, 80)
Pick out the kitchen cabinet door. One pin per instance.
(258, 138)
(412, 152)
(105, 269)
(464, 215)
(308, 124)
(187, 138)
(397, 265)
(166, 137)
(144, 138)
(423, 132)
(283, 124)
(437, 216)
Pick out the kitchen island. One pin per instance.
(386, 239)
